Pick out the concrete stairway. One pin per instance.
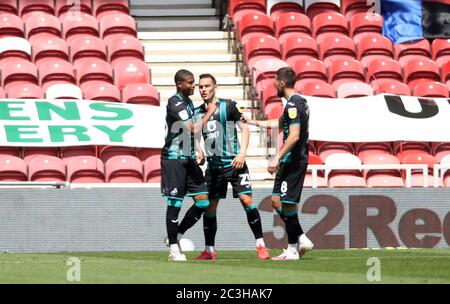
(201, 52)
(175, 15)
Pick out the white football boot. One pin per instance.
(305, 245)
(287, 255)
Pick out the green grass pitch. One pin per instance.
(318, 266)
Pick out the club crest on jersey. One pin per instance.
(292, 112)
(183, 114)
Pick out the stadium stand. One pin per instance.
(49, 50)
(334, 46)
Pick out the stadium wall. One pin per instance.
(127, 219)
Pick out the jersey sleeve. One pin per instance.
(234, 112)
(178, 110)
(293, 114)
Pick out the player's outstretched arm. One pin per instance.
(272, 123)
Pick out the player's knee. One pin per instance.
(276, 202)
(289, 208)
(212, 206)
(246, 201)
(204, 204)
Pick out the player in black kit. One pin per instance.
(290, 163)
(181, 174)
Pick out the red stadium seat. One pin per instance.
(441, 51)
(13, 48)
(63, 90)
(140, 93)
(329, 22)
(53, 72)
(89, 71)
(274, 110)
(446, 175)
(12, 169)
(10, 151)
(87, 47)
(382, 177)
(317, 89)
(326, 148)
(117, 25)
(72, 9)
(48, 49)
(384, 68)
(390, 86)
(440, 150)
(276, 8)
(102, 92)
(292, 23)
(85, 169)
(315, 7)
(46, 169)
(362, 149)
(67, 153)
(124, 169)
(298, 47)
(339, 178)
(252, 25)
(374, 48)
(261, 47)
(239, 8)
(145, 153)
(25, 91)
(344, 70)
(125, 48)
(354, 89)
(365, 23)
(309, 70)
(131, 71)
(403, 51)
(29, 7)
(333, 48)
(431, 89)
(421, 70)
(107, 152)
(417, 175)
(42, 26)
(18, 72)
(83, 25)
(264, 72)
(313, 159)
(402, 149)
(29, 153)
(349, 8)
(11, 25)
(446, 74)
(152, 169)
(2, 93)
(8, 7)
(106, 7)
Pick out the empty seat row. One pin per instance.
(98, 8)
(80, 169)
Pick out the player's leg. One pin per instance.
(172, 188)
(209, 231)
(197, 189)
(276, 192)
(254, 221)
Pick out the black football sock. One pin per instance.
(254, 221)
(209, 228)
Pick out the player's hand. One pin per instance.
(274, 165)
(238, 162)
(247, 120)
(201, 159)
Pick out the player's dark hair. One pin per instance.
(287, 75)
(181, 75)
(207, 75)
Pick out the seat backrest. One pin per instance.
(131, 71)
(63, 91)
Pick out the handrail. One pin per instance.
(438, 172)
